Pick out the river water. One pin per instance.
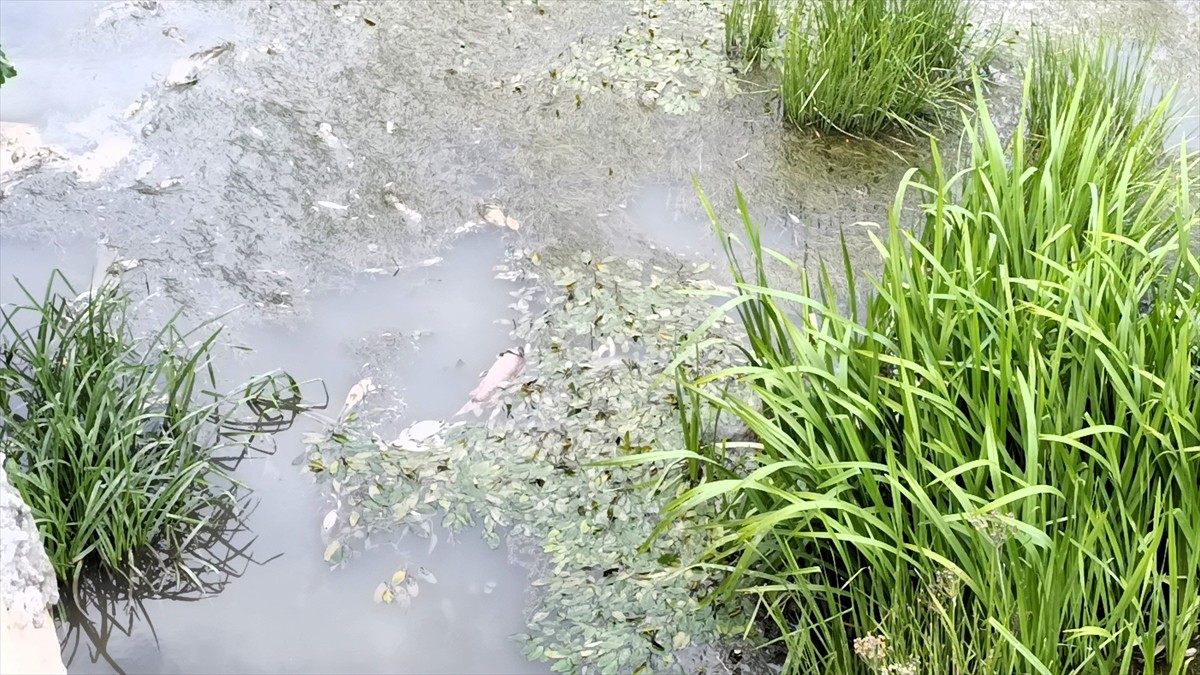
(324, 178)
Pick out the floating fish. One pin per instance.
(186, 72)
(508, 365)
(357, 393)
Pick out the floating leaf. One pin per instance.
(399, 576)
(380, 591)
(332, 549)
(512, 224)
(355, 516)
(425, 575)
(680, 640)
(329, 521)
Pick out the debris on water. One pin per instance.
(333, 205)
(162, 187)
(144, 102)
(186, 72)
(128, 9)
(329, 521)
(430, 262)
(410, 215)
(390, 126)
(424, 429)
(489, 587)
(382, 593)
(425, 575)
(357, 393)
(173, 33)
(508, 365)
(325, 133)
(21, 153)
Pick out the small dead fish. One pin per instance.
(425, 575)
(508, 365)
(325, 133)
(424, 430)
(357, 393)
(129, 9)
(162, 187)
(186, 72)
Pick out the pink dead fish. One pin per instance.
(507, 366)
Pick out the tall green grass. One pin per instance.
(750, 28)
(860, 67)
(113, 440)
(995, 467)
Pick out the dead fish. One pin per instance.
(508, 365)
(425, 575)
(186, 72)
(357, 393)
(129, 9)
(325, 133)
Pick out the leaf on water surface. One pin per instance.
(355, 516)
(512, 224)
(680, 640)
(380, 591)
(328, 523)
(399, 576)
(412, 588)
(332, 549)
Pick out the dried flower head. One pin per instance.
(872, 649)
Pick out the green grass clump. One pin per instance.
(1117, 77)
(750, 28)
(110, 438)
(859, 67)
(995, 467)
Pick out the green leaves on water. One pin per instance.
(588, 396)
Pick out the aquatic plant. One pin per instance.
(859, 67)
(750, 28)
(7, 71)
(992, 466)
(113, 440)
(1113, 81)
(530, 472)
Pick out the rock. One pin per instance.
(27, 588)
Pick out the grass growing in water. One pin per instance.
(859, 67)
(750, 28)
(111, 438)
(995, 469)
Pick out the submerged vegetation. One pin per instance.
(113, 440)
(992, 466)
